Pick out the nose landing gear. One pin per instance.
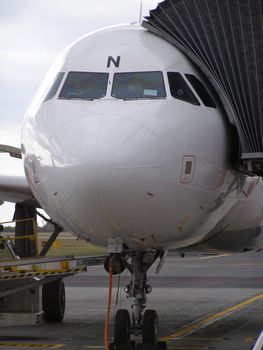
(144, 323)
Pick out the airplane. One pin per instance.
(127, 145)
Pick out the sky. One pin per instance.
(32, 33)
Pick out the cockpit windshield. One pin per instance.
(138, 85)
(84, 86)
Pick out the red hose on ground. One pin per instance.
(106, 328)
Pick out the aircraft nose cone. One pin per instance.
(114, 165)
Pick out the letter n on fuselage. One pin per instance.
(116, 62)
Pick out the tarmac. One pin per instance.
(203, 303)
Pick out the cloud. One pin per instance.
(99, 11)
(29, 65)
(7, 212)
(13, 8)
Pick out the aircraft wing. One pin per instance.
(14, 189)
(13, 151)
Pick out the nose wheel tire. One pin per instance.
(122, 327)
(150, 327)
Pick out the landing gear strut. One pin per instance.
(138, 287)
(141, 322)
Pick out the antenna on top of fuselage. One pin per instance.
(140, 15)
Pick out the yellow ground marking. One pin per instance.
(31, 345)
(248, 339)
(205, 321)
(204, 338)
(213, 257)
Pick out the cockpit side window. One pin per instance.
(201, 91)
(138, 85)
(54, 87)
(84, 86)
(180, 89)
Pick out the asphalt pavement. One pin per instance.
(203, 303)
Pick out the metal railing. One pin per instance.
(12, 237)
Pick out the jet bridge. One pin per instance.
(224, 38)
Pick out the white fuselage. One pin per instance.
(156, 172)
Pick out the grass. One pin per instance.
(68, 245)
(75, 247)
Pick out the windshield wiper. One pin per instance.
(79, 98)
(143, 98)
